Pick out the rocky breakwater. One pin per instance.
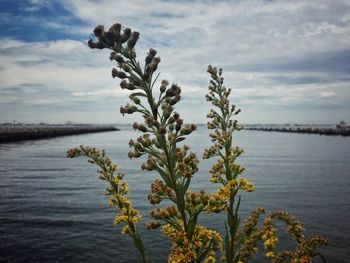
(334, 130)
(12, 133)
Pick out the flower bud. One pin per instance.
(212, 70)
(163, 86)
(131, 143)
(115, 56)
(136, 100)
(148, 71)
(98, 45)
(152, 225)
(116, 28)
(172, 210)
(125, 36)
(154, 63)
(126, 67)
(125, 85)
(162, 130)
(110, 38)
(99, 31)
(174, 90)
(178, 124)
(133, 39)
(150, 56)
(142, 128)
(128, 109)
(175, 100)
(118, 74)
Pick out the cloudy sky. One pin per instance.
(286, 61)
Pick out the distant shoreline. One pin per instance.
(15, 133)
(304, 130)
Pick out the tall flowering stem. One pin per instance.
(162, 130)
(241, 243)
(225, 171)
(117, 190)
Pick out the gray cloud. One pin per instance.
(325, 62)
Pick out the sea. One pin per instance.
(53, 209)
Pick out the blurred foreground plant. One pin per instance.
(163, 132)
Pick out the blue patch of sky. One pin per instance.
(22, 23)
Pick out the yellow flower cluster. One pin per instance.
(185, 250)
(216, 203)
(250, 235)
(118, 188)
(269, 235)
(217, 171)
(225, 191)
(128, 215)
(305, 250)
(270, 255)
(245, 185)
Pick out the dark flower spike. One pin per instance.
(118, 74)
(115, 56)
(116, 28)
(98, 45)
(91, 43)
(151, 54)
(133, 39)
(126, 35)
(125, 85)
(110, 38)
(99, 31)
(154, 63)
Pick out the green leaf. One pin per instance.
(204, 253)
(228, 250)
(230, 218)
(135, 94)
(187, 184)
(238, 204)
(164, 176)
(179, 139)
(192, 224)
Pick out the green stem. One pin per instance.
(138, 242)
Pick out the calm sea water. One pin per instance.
(53, 209)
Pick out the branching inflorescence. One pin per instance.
(162, 142)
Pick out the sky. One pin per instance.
(286, 61)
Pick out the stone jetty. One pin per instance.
(13, 133)
(334, 130)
